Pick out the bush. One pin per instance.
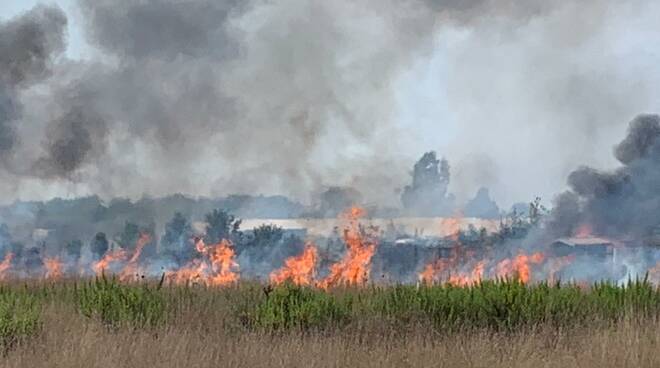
(116, 305)
(497, 305)
(289, 306)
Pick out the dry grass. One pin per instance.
(203, 331)
(70, 340)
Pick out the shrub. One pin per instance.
(496, 305)
(289, 306)
(116, 304)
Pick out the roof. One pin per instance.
(585, 241)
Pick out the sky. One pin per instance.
(514, 104)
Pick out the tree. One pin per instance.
(482, 206)
(99, 245)
(73, 249)
(266, 235)
(221, 225)
(335, 200)
(5, 238)
(427, 195)
(178, 232)
(129, 236)
(536, 211)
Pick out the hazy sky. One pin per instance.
(514, 104)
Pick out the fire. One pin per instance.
(585, 230)
(109, 257)
(354, 268)
(5, 265)
(131, 270)
(193, 273)
(448, 269)
(654, 273)
(218, 268)
(457, 271)
(451, 226)
(299, 269)
(223, 264)
(53, 268)
(519, 266)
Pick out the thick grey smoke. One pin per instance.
(291, 96)
(622, 201)
(28, 46)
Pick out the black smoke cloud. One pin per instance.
(625, 201)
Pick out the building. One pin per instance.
(585, 246)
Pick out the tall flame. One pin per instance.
(223, 264)
(218, 268)
(519, 266)
(109, 257)
(131, 270)
(53, 268)
(5, 265)
(354, 268)
(300, 269)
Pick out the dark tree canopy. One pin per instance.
(427, 195)
(221, 225)
(266, 235)
(482, 206)
(73, 249)
(99, 245)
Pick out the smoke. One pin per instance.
(622, 201)
(28, 46)
(290, 96)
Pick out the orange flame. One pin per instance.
(451, 226)
(109, 257)
(5, 265)
(459, 272)
(447, 269)
(519, 266)
(298, 269)
(193, 273)
(654, 273)
(585, 230)
(223, 264)
(131, 270)
(354, 268)
(53, 268)
(218, 269)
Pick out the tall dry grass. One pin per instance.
(203, 330)
(69, 340)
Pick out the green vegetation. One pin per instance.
(290, 306)
(115, 304)
(19, 316)
(498, 306)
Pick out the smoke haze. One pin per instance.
(290, 96)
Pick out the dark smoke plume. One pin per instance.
(623, 201)
(28, 45)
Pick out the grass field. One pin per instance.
(103, 323)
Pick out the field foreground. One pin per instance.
(498, 324)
